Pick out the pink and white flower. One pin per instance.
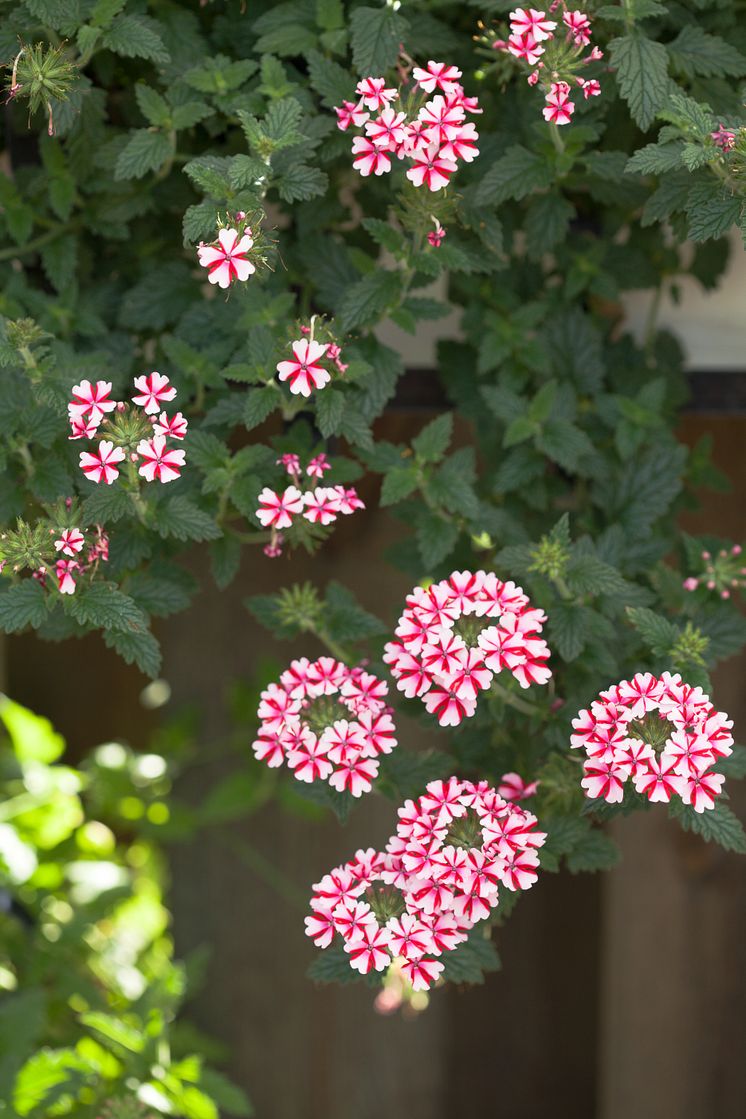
(101, 466)
(90, 402)
(531, 22)
(277, 510)
(374, 94)
(69, 542)
(304, 373)
(370, 159)
(175, 427)
(436, 75)
(153, 390)
(430, 169)
(64, 570)
(559, 108)
(226, 261)
(160, 463)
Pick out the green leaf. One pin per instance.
(259, 404)
(44, 1072)
(566, 444)
(399, 483)
(515, 175)
(469, 962)
(181, 518)
(595, 851)
(642, 74)
(332, 965)
(654, 159)
(375, 35)
(21, 606)
(141, 649)
(568, 626)
(114, 1029)
(33, 737)
(60, 260)
(152, 105)
(436, 538)
(368, 299)
(134, 36)
(145, 151)
(225, 560)
(716, 825)
(330, 407)
(518, 430)
(587, 574)
(656, 631)
(300, 183)
(344, 617)
(695, 52)
(712, 210)
(102, 605)
(332, 81)
(548, 218)
(433, 441)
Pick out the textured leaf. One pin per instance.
(694, 51)
(181, 518)
(21, 606)
(375, 35)
(367, 299)
(712, 210)
(399, 483)
(656, 631)
(300, 183)
(433, 441)
(716, 825)
(145, 151)
(515, 175)
(136, 37)
(642, 74)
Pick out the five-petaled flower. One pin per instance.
(277, 510)
(101, 466)
(90, 402)
(153, 390)
(227, 261)
(160, 463)
(69, 542)
(304, 373)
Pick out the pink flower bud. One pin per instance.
(735, 550)
(691, 583)
(725, 594)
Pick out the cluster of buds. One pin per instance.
(329, 723)
(723, 573)
(555, 50)
(456, 635)
(304, 373)
(136, 435)
(439, 875)
(236, 252)
(320, 505)
(55, 550)
(42, 75)
(431, 135)
(724, 138)
(662, 733)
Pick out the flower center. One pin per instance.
(385, 901)
(468, 628)
(465, 832)
(323, 711)
(654, 729)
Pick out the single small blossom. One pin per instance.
(91, 402)
(291, 462)
(153, 390)
(174, 426)
(533, 22)
(321, 505)
(435, 236)
(101, 465)
(227, 261)
(513, 787)
(559, 108)
(69, 542)
(387, 130)
(374, 93)
(436, 75)
(277, 510)
(351, 112)
(64, 570)
(318, 466)
(160, 463)
(369, 158)
(724, 138)
(579, 27)
(430, 169)
(304, 373)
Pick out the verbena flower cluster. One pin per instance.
(136, 435)
(456, 635)
(304, 371)
(661, 732)
(723, 573)
(439, 876)
(55, 550)
(329, 723)
(555, 50)
(320, 505)
(401, 124)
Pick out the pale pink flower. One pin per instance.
(374, 93)
(591, 88)
(321, 505)
(226, 261)
(82, 429)
(513, 787)
(348, 499)
(69, 542)
(387, 130)
(91, 402)
(436, 75)
(368, 950)
(579, 26)
(291, 462)
(318, 466)
(559, 108)
(369, 159)
(64, 571)
(525, 47)
(100, 466)
(531, 21)
(160, 463)
(351, 112)
(303, 373)
(175, 426)
(422, 973)
(277, 510)
(430, 169)
(154, 389)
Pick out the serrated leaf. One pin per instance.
(21, 606)
(300, 183)
(145, 151)
(642, 73)
(104, 606)
(595, 851)
(433, 441)
(694, 51)
(344, 617)
(515, 175)
(259, 404)
(398, 483)
(330, 406)
(716, 825)
(436, 538)
(712, 210)
(469, 962)
(375, 36)
(367, 299)
(181, 518)
(141, 649)
(135, 36)
(332, 81)
(656, 631)
(547, 220)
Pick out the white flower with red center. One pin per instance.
(661, 732)
(277, 510)
(432, 659)
(304, 373)
(153, 391)
(374, 94)
(89, 402)
(559, 108)
(226, 260)
(531, 21)
(369, 158)
(101, 465)
(430, 169)
(174, 427)
(64, 570)
(321, 505)
(70, 541)
(330, 720)
(436, 75)
(351, 113)
(513, 787)
(387, 131)
(160, 463)
(318, 466)
(579, 27)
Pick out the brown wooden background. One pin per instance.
(621, 996)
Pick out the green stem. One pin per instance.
(557, 140)
(651, 323)
(36, 243)
(266, 870)
(514, 700)
(333, 646)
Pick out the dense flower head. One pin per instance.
(397, 126)
(662, 733)
(723, 572)
(136, 435)
(329, 722)
(227, 258)
(555, 50)
(456, 635)
(438, 876)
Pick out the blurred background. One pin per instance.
(621, 994)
